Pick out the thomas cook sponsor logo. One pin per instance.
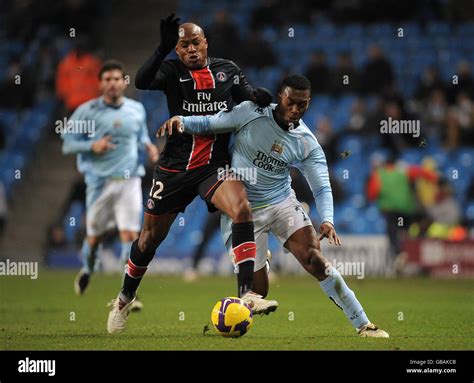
(270, 163)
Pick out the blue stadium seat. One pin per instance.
(465, 159)
(412, 156)
(353, 31)
(438, 29)
(470, 211)
(350, 142)
(72, 220)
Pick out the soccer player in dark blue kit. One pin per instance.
(189, 165)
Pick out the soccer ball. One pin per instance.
(232, 317)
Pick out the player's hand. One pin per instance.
(327, 230)
(262, 97)
(153, 152)
(103, 145)
(174, 123)
(169, 34)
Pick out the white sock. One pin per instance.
(336, 289)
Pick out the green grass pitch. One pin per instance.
(419, 314)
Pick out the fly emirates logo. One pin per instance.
(204, 104)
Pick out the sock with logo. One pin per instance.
(136, 268)
(245, 250)
(336, 289)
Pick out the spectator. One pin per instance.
(445, 210)
(17, 88)
(327, 139)
(56, 237)
(358, 118)
(390, 186)
(258, 53)
(223, 37)
(426, 190)
(442, 220)
(3, 209)
(319, 74)
(429, 81)
(83, 15)
(434, 112)
(46, 69)
(460, 122)
(77, 78)
(270, 12)
(465, 83)
(3, 136)
(377, 74)
(395, 142)
(345, 67)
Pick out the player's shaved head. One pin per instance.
(190, 30)
(192, 46)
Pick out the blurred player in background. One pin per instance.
(108, 156)
(272, 139)
(390, 185)
(188, 165)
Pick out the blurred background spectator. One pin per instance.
(77, 77)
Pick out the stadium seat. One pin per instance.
(350, 142)
(470, 211)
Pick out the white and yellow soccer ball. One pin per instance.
(232, 317)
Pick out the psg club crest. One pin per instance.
(150, 203)
(277, 147)
(221, 76)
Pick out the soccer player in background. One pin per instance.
(108, 156)
(273, 139)
(188, 166)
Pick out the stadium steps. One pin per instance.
(128, 21)
(38, 201)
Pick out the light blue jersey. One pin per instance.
(261, 144)
(126, 124)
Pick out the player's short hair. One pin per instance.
(295, 81)
(111, 65)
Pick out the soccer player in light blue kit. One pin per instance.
(271, 140)
(108, 156)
